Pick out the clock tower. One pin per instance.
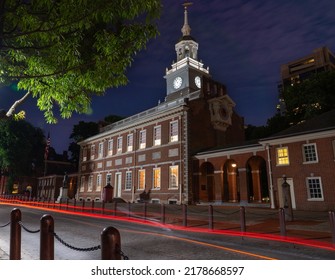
(186, 74)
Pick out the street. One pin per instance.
(147, 240)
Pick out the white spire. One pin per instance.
(186, 29)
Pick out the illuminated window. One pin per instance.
(129, 180)
(314, 188)
(143, 139)
(156, 178)
(309, 153)
(141, 179)
(110, 147)
(173, 183)
(282, 156)
(129, 142)
(174, 131)
(119, 145)
(157, 135)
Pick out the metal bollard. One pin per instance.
(92, 206)
(83, 206)
(129, 209)
(282, 222)
(184, 215)
(15, 235)
(110, 244)
(103, 207)
(332, 225)
(115, 208)
(242, 219)
(210, 217)
(47, 238)
(163, 213)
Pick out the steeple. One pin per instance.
(186, 30)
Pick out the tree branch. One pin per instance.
(17, 103)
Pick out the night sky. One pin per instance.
(243, 43)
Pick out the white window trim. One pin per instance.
(304, 155)
(126, 181)
(309, 198)
(174, 138)
(158, 141)
(143, 139)
(138, 185)
(177, 179)
(153, 178)
(130, 142)
(119, 145)
(110, 147)
(101, 150)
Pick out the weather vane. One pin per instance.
(186, 4)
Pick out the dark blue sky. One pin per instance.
(243, 43)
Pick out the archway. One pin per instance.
(230, 182)
(206, 183)
(257, 181)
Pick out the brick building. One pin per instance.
(252, 173)
(152, 151)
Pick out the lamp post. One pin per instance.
(287, 200)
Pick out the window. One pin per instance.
(108, 178)
(141, 179)
(156, 178)
(314, 188)
(119, 145)
(101, 150)
(85, 154)
(90, 183)
(129, 142)
(98, 188)
(92, 151)
(157, 135)
(282, 156)
(174, 131)
(82, 184)
(143, 139)
(129, 180)
(110, 147)
(173, 182)
(309, 153)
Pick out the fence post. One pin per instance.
(282, 222)
(332, 225)
(110, 244)
(15, 235)
(184, 215)
(47, 238)
(163, 213)
(242, 219)
(210, 217)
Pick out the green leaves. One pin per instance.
(66, 51)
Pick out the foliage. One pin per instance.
(81, 131)
(21, 147)
(63, 52)
(311, 97)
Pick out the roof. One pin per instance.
(323, 122)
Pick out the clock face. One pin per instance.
(197, 81)
(177, 82)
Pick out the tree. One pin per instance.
(63, 52)
(310, 98)
(21, 148)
